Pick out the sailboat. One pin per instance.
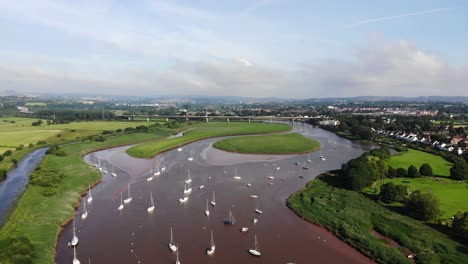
(305, 167)
(207, 212)
(213, 202)
(157, 172)
(256, 251)
(172, 246)
(177, 258)
(254, 196)
(321, 156)
(187, 190)
(129, 198)
(121, 206)
(211, 250)
(179, 148)
(230, 220)
(113, 174)
(237, 177)
(183, 199)
(104, 170)
(258, 211)
(190, 158)
(90, 195)
(249, 185)
(244, 229)
(308, 158)
(99, 164)
(163, 166)
(150, 209)
(74, 240)
(150, 178)
(188, 180)
(271, 177)
(75, 260)
(84, 214)
(255, 220)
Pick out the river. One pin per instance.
(134, 236)
(17, 180)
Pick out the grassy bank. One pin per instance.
(202, 131)
(352, 217)
(269, 144)
(439, 165)
(451, 194)
(39, 217)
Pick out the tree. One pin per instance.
(423, 206)
(425, 170)
(413, 172)
(390, 192)
(401, 172)
(459, 171)
(460, 224)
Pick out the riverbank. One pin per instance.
(352, 217)
(204, 131)
(39, 217)
(269, 144)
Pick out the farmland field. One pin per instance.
(439, 165)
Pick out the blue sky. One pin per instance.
(251, 48)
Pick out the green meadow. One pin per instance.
(439, 165)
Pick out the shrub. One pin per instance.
(459, 171)
(460, 224)
(1, 157)
(129, 129)
(20, 147)
(106, 132)
(31, 145)
(423, 206)
(7, 153)
(118, 130)
(41, 142)
(401, 173)
(100, 139)
(3, 174)
(14, 161)
(390, 192)
(413, 172)
(426, 170)
(16, 250)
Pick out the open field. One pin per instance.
(3, 149)
(439, 165)
(16, 138)
(451, 194)
(352, 217)
(39, 217)
(205, 130)
(269, 144)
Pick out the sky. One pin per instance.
(256, 48)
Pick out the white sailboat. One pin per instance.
(163, 164)
(150, 209)
(201, 187)
(190, 158)
(188, 180)
(150, 177)
(104, 170)
(308, 158)
(157, 171)
(255, 220)
(90, 195)
(121, 206)
(236, 177)
(179, 149)
(249, 185)
(211, 250)
(183, 199)
(270, 175)
(207, 212)
(177, 256)
(256, 251)
(75, 260)
(231, 220)
(99, 164)
(187, 190)
(244, 229)
(84, 214)
(213, 202)
(129, 198)
(258, 211)
(113, 174)
(172, 246)
(254, 196)
(74, 240)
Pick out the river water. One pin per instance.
(17, 180)
(134, 236)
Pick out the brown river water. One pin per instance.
(134, 236)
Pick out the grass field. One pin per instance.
(205, 130)
(352, 217)
(269, 144)
(451, 194)
(16, 138)
(36, 104)
(39, 217)
(439, 165)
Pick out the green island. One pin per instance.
(203, 131)
(355, 219)
(269, 144)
